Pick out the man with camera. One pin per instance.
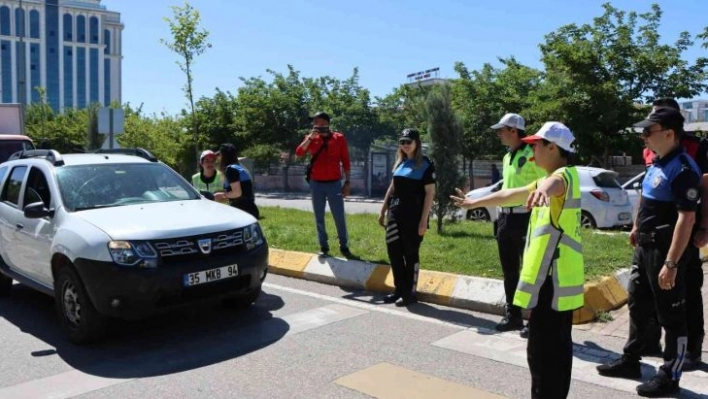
(329, 155)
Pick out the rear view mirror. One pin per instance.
(37, 210)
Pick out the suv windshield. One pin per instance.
(606, 180)
(99, 186)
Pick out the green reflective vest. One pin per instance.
(519, 170)
(214, 187)
(554, 250)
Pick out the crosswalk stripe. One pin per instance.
(385, 380)
(75, 382)
(511, 349)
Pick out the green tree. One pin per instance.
(445, 131)
(598, 76)
(188, 41)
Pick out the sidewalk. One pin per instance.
(619, 326)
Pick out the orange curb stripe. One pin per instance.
(288, 263)
(437, 287)
(380, 280)
(601, 296)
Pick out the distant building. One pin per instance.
(429, 77)
(695, 110)
(71, 48)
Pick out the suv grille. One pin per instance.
(188, 248)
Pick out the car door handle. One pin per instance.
(20, 226)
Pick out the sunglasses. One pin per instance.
(646, 133)
(405, 142)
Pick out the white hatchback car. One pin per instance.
(604, 203)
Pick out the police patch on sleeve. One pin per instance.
(692, 194)
(655, 183)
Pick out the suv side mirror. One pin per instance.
(37, 210)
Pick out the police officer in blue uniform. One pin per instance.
(666, 217)
(405, 213)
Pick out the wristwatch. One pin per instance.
(670, 264)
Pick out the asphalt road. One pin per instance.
(300, 340)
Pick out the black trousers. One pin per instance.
(403, 245)
(550, 347)
(646, 297)
(694, 306)
(511, 232)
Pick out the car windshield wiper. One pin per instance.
(92, 207)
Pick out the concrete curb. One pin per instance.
(467, 292)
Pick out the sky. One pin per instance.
(385, 39)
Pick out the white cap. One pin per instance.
(555, 132)
(206, 153)
(511, 120)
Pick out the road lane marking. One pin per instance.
(75, 382)
(385, 380)
(512, 350)
(368, 306)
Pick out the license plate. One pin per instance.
(208, 276)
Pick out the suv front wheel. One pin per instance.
(78, 316)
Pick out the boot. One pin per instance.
(624, 367)
(512, 320)
(660, 385)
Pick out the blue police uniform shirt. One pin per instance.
(237, 173)
(671, 184)
(409, 181)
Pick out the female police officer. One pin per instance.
(666, 216)
(408, 201)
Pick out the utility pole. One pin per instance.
(21, 60)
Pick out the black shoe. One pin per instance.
(510, 323)
(409, 300)
(659, 385)
(391, 298)
(524, 333)
(691, 362)
(623, 367)
(653, 350)
(324, 252)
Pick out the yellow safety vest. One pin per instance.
(519, 170)
(215, 187)
(555, 250)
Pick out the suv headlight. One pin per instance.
(133, 253)
(253, 236)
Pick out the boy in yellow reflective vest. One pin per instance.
(209, 178)
(552, 274)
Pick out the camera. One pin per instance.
(322, 129)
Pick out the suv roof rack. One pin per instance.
(138, 151)
(52, 156)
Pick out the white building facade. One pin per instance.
(69, 48)
(695, 111)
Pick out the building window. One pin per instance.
(68, 77)
(81, 29)
(107, 41)
(687, 105)
(93, 74)
(81, 77)
(93, 25)
(705, 115)
(6, 61)
(34, 24)
(106, 82)
(68, 27)
(5, 20)
(19, 22)
(36, 79)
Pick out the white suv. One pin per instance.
(115, 235)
